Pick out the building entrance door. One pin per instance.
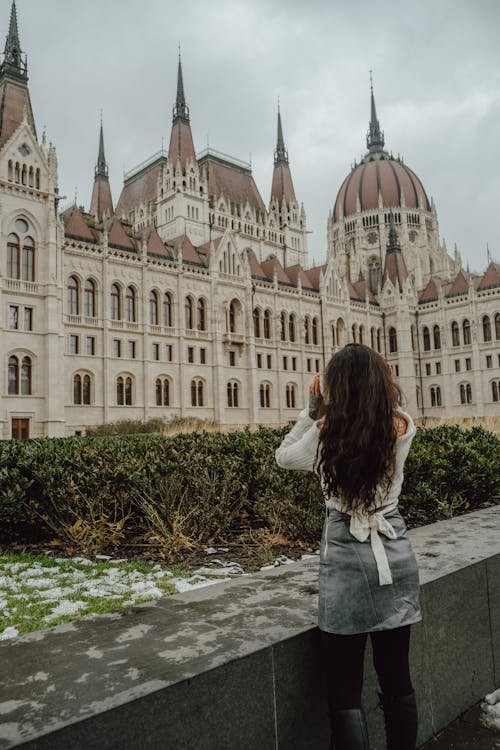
(20, 429)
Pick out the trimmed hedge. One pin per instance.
(94, 493)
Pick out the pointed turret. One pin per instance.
(102, 201)
(395, 266)
(282, 187)
(181, 148)
(375, 136)
(15, 102)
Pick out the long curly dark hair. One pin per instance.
(357, 436)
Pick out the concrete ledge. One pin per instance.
(237, 665)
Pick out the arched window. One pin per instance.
(256, 323)
(267, 324)
(153, 308)
(393, 340)
(334, 335)
(168, 310)
(340, 332)
(361, 334)
(89, 306)
(435, 395)
(26, 377)
(468, 392)
(232, 314)
(455, 338)
(28, 259)
(13, 376)
(379, 340)
(497, 326)
(283, 325)
(13, 252)
(291, 327)
(426, 338)
(412, 331)
(128, 391)
(201, 313)
(486, 328)
(162, 388)
(462, 394)
(232, 394)
(130, 306)
(86, 390)
(353, 333)
(77, 389)
(307, 330)
(120, 391)
(436, 333)
(315, 330)
(466, 331)
(290, 396)
(189, 313)
(197, 392)
(374, 275)
(116, 303)
(73, 296)
(495, 390)
(265, 395)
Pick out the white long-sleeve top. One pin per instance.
(299, 451)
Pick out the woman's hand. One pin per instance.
(316, 406)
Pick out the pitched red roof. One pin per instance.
(295, 273)
(189, 252)
(101, 202)
(236, 185)
(118, 236)
(362, 290)
(395, 269)
(314, 274)
(491, 277)
(76, 224)
(138, 189)
(14, 99)
(205, 249)
(181, 146)
(430, 293)
(156, 246)
(272, 266)
(460, 285)
(282, 187)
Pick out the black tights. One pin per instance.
(343, 657)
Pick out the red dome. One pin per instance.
(379, 172)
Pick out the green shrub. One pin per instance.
(94, 493)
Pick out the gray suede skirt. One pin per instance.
(351, 600)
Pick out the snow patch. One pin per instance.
(9, 632)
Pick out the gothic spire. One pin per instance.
(101, 203)
(375, 136)
(281, 154)
(101, 168)
(393, 245)
(181, 110)
(13, 63)
(395, 267)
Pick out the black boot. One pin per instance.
(349, 730)
(401, 721)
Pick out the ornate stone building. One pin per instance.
(192, 297)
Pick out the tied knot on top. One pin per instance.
(363, 526)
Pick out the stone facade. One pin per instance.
(192, 298)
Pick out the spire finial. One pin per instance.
(280, 155)
(101, 168)
(393, 245)
(13, 61)
(181, 110)
(375, 136)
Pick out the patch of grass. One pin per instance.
(33, 587)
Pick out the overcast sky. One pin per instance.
(436, 69)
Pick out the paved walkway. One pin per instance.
(466, 733)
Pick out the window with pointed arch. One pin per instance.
(307, 330)
(486, 328)
(290, 393)
(315, 331)
(426, 339)
(82, 388)
(197, 392)
(466, 331)
(495, 390)
(153, 308)
(497, 326)
(291, 327)
(393, 340)
(334, 335)
(435, 395)
(361, 334)
(267, 324)
(256, 322)
(19, 375)
(189, 313)
(201, 313)
(116, 302)
(340, 331)
(168, 310)
(232, 393)
(283, 325)
(21, 252)
(89, 299)
(436, 334)
(455, 335)
(412, 332)
(379, 340)
(265, 395)
(232, 314)
(353, 333)
(465, 393)
(162, 390)
(73, 296)
(124, 390)
(130, 305)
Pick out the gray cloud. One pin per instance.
(437, 86)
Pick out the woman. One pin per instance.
(368, 581)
